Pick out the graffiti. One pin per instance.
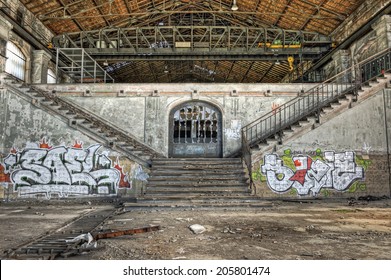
(4, 178)
(336, 171)
(63, 171)
(233, 133)
(140, 175)
(124, 180)
(366, 148)
(276, 108)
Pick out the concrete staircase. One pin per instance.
(85, 121)
(206, 182)
(311, 122)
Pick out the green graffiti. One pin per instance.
(325, 192)
(364, 163)
(287, 160)
(258, 176)
(357, 186)
(293, 191)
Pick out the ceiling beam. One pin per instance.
(69, 14)
(304, 25)
(248, 70)
(101, 13)
(265, 73)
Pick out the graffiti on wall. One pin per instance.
(305, 174)
(64, 171)
(233, 133)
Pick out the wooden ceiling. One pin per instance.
(321, 16)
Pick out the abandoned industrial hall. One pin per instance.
(194, 103)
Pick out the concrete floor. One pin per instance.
(318, 229)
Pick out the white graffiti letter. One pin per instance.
(74, 159)
(277, 174)
(346, 171)
(54, 161)
(32, 171)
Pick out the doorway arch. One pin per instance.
(195, 129)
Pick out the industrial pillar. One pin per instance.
(5, 28)
(40, 67)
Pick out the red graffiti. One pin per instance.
(124, 182)
(300, 174)
(4, 177)
(44, 144)
(297, 163)
(78, 145)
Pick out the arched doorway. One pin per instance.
(195, 130)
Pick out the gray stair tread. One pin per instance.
(205, 177)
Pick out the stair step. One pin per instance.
(196, 167)
(198, 204)
(186, 177)
(175, 179)
(235, 197)
(200, 184)
(166, 191)
(197, 173)
(196, 162)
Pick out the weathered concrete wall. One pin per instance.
(376, 40)
(144, 113)
(347, 156)
(358, 19)
(50, 159)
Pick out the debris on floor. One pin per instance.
(197, 229)
(106, 235)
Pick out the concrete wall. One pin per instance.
(347, 156)
(145, 114)
(26, 134)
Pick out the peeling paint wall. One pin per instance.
(347, 156)
(375, 41)
(139, 110)
(34, 142)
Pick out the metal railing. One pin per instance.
(246, 158)
(311, 102)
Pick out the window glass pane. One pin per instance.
(16, 61)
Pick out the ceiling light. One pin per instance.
(234, 6)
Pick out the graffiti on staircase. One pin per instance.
(305, 174)
(61, 170)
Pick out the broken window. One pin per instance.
(195, 124)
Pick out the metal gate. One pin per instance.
(195, 130)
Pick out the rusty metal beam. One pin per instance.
(74, 19)
(106, 235)
(100, 12)
(248, 70)
(266, 72)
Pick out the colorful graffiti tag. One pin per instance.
(331, 170)
(63, 171)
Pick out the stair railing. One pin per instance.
(311, 102)
(246, 158)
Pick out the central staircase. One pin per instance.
(194, 182)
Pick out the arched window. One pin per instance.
(51, 77)
(16, 61)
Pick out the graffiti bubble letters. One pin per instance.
(62, 171)
(338, 171)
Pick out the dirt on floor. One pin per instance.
(294, 229)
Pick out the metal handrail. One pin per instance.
(316, 98)
(312, 101)
(246, 158)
